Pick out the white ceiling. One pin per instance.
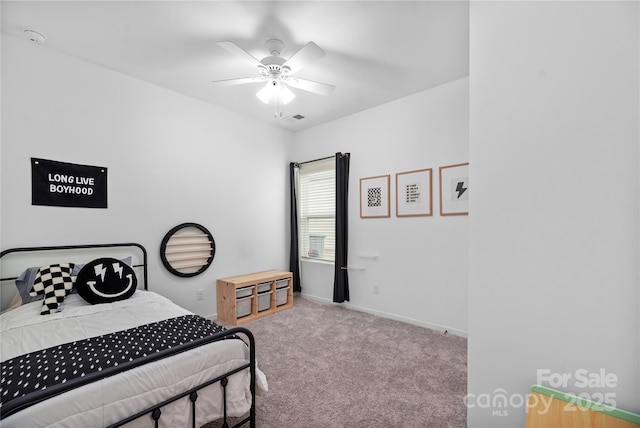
(376, 51)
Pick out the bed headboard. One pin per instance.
(15, 260)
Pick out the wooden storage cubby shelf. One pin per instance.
(228, 302)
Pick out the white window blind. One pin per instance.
(317, 210)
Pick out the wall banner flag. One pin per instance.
(64, 184)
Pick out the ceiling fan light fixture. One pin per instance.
(278, 72)
(276, 91)
(286, 94)
(266, 92)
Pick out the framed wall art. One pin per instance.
(454, 189)
(413, 193)
(63, 184)
(374, 196)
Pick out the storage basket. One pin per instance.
(243, 306)
(281, 295)
(244, 291)
(264, 300)
(265, 286)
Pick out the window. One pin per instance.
(317, 210)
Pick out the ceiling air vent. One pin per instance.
(294, 118)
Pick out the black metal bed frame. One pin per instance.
(155, 411)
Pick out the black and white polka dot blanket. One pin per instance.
(31, 378)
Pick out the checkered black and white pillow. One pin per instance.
(55, 282)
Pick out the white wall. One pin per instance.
(170, 159)
(422, 261)
(553, 235)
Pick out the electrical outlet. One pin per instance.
(199, 294)
(376, 288)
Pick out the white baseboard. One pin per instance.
(436, 327)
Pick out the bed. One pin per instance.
(135, 360)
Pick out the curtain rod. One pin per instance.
(317, 160)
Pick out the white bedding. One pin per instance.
(24, 330)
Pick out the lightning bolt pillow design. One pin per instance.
(106, 280)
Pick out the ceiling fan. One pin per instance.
(277, 72)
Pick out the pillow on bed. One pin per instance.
(24, 284)
(54, 282)
(106, 280)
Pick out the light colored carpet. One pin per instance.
(328, 366)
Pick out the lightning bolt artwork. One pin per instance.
(117, 268)
(460, 188)
(454, 189)
(101, 271)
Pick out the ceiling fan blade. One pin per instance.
(241, 81)
(306, 55)
(237, 50)
(311, 86)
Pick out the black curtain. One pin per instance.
(341, 279)
(294, 256)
